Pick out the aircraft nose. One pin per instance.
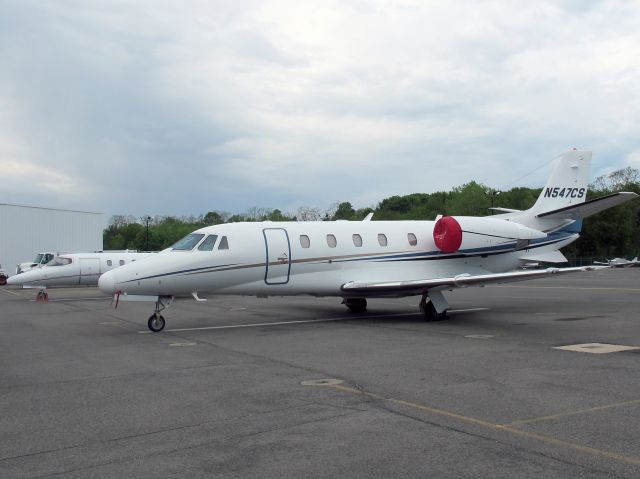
(107, 283)
(23, 278)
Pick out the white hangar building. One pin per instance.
(28, 230)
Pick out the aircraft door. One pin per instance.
(89, 270)
(278, 256)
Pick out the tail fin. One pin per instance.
(567, 185)
(562, 203)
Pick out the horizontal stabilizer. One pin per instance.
(545, 257)
(504, 210)
(459, 281)
(588, 208)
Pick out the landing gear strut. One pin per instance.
(156, 320)
(356, 305)
(428, 308)
(42, 296)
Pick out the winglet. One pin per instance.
(368, 217)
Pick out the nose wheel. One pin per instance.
(156, 322)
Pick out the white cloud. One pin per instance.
(165, 107)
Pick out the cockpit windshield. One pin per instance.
(43, 258)
(208, 244)
(188, 242)
(59, 261)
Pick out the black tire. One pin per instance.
(430, 313)
(3, 280)
(356, 305)
(156, 323)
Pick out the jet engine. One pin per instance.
(454, 233)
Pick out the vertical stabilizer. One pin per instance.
(567, 184)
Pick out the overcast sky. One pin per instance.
(181, 107)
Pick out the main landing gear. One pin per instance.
(434, 306)
(356, 305)
(156, 320)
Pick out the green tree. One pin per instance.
(344, 211)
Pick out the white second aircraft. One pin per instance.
(620, 262)
(73, 269)
(356, 260)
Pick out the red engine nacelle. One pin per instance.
(447, 234)
(480, 232)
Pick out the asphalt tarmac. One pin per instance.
(298, 387)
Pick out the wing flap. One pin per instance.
(459, 281)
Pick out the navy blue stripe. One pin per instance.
(191, 271)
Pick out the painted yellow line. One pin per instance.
(571, 445)
(498, 427)
(574, 413)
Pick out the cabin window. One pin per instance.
(209, 243)
(188, 242)
(109, 262)
(412, 239)
(224, 244)
(121, 262)
(357, 240)
(305, 242)
(331, 241)
(382, 239)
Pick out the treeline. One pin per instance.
(615, 232)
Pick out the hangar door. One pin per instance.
(278, 256)
(89, 270)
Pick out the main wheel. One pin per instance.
(156, 322)
(430, 314)
(356, 305)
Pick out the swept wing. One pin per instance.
(459, 281)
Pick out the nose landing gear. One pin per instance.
(42, 296)
(156, 321)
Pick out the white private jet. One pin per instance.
(357, 260)
(73, 269)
